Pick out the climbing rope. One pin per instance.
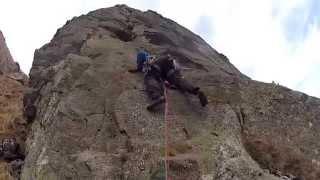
(167, 120)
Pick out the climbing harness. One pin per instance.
(148, 63)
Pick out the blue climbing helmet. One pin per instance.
(142, 55)
(142, 58)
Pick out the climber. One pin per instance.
(166, 69)
(142, 57)
(10, 150)
(153, 85)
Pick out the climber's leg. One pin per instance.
(154, 91)
(155, 103)
(203, 98)
(153, 88)
(185, 86)
(182, 84)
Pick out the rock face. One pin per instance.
(12, 123)
(92, 122)
(7, 65)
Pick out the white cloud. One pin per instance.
(251, 33)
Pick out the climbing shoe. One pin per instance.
(203, 99)
(196, 90)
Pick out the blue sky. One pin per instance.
(204, 27)
(299, 21)
(269, 40)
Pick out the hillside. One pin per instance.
(13, 84)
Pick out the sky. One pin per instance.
(268, 40)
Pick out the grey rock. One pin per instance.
(15, 168)
(7, 64)
(92, 121)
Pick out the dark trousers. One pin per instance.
(153, 87)
(182, 84)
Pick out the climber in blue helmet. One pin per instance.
(166, 71)
(142, 58)
(161, 71)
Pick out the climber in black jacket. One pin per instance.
(165, 69)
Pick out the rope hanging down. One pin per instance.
(166, 119)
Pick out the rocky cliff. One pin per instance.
(7, 65)
(91, 121)
(12, 122)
